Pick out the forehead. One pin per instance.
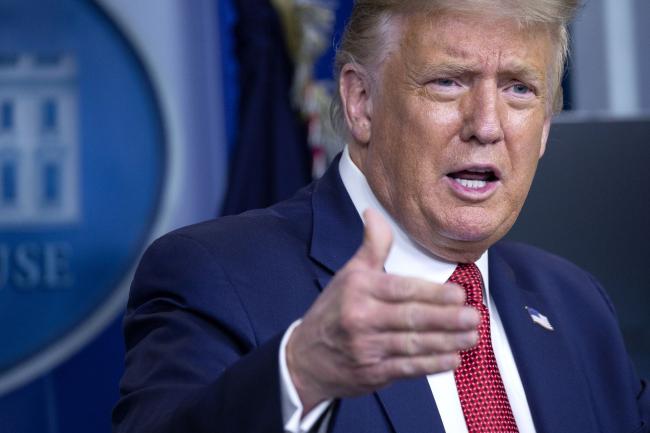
(484, 42)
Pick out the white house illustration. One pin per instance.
(39, 148)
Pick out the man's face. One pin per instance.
(457, 121)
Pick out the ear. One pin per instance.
(545, 131)
(356, 103)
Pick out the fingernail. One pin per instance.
(471, 338)
(455, 294)
(469, 317)
(450, 362)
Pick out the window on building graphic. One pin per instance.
(9, 187)
(49, 115)
(51, 184)
(6, 116)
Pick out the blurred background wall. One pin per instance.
(121, 120)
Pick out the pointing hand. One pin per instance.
(368, 328)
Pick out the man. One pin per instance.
(297, 318)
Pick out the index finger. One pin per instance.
(396, 288)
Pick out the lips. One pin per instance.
(475, 177)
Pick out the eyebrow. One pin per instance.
(426, 71)
(513, 69)
(447, 69)
(528, 73)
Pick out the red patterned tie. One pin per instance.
(480, 388)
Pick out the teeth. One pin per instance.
(473, 184)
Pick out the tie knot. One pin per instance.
(469, 277)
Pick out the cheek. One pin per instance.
(428, 131)
(525, 166)
(437, 122)
(411, 140)
(418, 115)
(525, 142)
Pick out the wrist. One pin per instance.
(306, 387)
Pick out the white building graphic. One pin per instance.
(39, 149)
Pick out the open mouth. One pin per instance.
(475, 178)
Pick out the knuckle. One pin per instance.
(363, 351)
(411, 343)
(355, 350)
(411, 318)
(408, 368)
(401, 288)
(354, 317)
(355, 279)
(448, 342)
(387, 288)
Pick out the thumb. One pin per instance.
(377, 240)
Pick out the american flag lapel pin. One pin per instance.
(539, 318)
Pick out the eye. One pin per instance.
(444, 82)
(521, 89)
(444, 89)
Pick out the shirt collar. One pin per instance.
(406, 257)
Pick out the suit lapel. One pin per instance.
(410, 406)
(337, 228)
(555, 387)
(337, 233)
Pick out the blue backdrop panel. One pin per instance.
(86, 144)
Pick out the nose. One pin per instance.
(481, 115)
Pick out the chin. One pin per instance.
(476, 228)
(464, 236)
(468, 234)
(467, 243)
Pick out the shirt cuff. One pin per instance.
(292, 410)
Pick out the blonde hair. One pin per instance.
(363, 42)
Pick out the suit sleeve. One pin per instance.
(193, 363)
(643, 393)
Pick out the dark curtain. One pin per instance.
(271, 158)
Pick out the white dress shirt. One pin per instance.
(409, 259)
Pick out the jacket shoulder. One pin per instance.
(280, 226)
(523, 255)
(552, 274)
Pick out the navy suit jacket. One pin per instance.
(209, 304)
